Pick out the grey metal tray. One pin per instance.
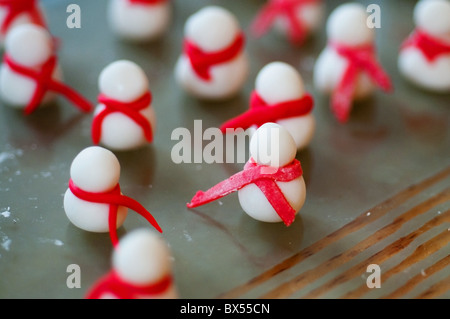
(378, 188)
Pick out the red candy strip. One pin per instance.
(276, 8)
(202, 61)
(44, 83)
(115, 199)
(260, 112)
(112, 283)
(18, 7)
(129, 109)
(360, 59)
(254, 173)
(430, 46)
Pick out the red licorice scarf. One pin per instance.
(112, 283)
(129, 109)
(44, 83)
(114, 199)
(256, 174)
(431, 47)
(360, 59)
(260, 112)
(18, 7)
(287, 9)
(202, 61)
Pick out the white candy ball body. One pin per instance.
(432, 17)
(96, 170)
(124, 81)
(139, 22)
(29, 46)
(121, 133)
(213, 29)
(227, 78)
(279, 82)
(17, 90)
(91, 217)
(257, 206)
(433, 76)
(143, 258)
(302, 129)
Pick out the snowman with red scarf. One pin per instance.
(30, 74)
(280, 97)
(424, 58)
(213, 64)
(124, 119)
(141, 269)
(271, 187)
(348, 68)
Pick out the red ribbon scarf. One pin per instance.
(360, 59)
(147, 2)
(129, 109)
(18, 7)
(430, 46)
(260, 112)
(114, 199)
(255, 174)
(286, 8)
(202, 61)
(44, 83)
(112, 283)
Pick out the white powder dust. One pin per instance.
(6, 243)
(6, 213)
(55, 242)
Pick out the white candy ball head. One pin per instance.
(142, 257)
(272, 145)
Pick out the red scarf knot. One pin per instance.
(45, 82)
(283, 8)
(266, 182)
(261, 112)
(130, 109)
(18, 7)
(202, 61)
(431, 47)
(114, 199)
(147, 2)
(360, 59)
(114, 284)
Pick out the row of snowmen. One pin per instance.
(213, 65)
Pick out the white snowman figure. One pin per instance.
(271, 188)
(348, 68)
(17, 12)
(93, 202)
(139, 20)
(30, 75)
(141, 269)
(279, 97)
(213, 64)
(124, 119)
(425, 56)
(29, 46)
(297, 19)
